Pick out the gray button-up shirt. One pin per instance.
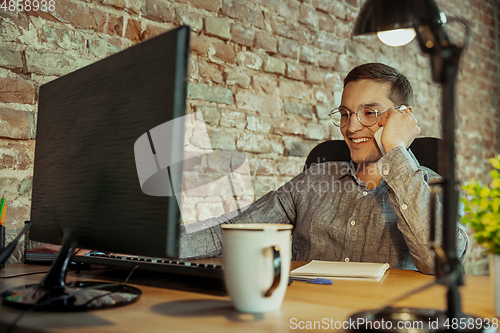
(336, 217)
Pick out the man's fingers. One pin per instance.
(382, 119)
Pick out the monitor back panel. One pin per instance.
(85, 177)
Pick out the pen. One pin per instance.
(3, 212)
(313, 281)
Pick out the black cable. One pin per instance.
(64, 297)
(24, 274)
(6, 251)
(444, 280)
(33, 273)
(406, 295)
(111, 292)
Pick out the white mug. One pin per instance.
(256, 264)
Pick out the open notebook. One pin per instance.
(341, 270)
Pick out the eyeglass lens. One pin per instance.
(366, 116)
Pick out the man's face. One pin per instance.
(359, 138)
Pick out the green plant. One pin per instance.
(482, 209)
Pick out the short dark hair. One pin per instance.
(401, 91)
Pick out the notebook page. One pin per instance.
(344, 270)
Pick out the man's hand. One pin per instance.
(400, 128)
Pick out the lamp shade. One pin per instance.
(383, 15)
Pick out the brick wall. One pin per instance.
(264, 73)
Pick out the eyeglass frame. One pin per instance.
(378, 113)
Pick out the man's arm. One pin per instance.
(204, 239)
(411, 188)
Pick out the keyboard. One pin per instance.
(210, 268)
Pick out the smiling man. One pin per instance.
(374, 209)
(370, 95)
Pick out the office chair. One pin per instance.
(424, 149)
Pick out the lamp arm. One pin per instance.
(433, 40)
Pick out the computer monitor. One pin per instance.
(100, 131)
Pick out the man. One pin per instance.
(374, 209)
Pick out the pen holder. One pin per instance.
(2, 243)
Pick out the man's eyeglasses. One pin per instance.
(367, 115)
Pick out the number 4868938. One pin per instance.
(29, 5)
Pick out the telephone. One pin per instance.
(378, 133)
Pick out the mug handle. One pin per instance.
(277, 270)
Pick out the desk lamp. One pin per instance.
(396, 23)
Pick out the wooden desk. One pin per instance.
(176, 310)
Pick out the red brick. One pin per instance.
(242, 35)
(340, 11)
(295, 89)
(333, 81)
(307, 54)
(119, 43)
(16, 91)
(327, 60)
(217, 27)
(11, 59)
(210, 5)
(198, 44)
(330, 43)
(352, 2)
(158, 10)
(244, 12)
(133, 31)
(225, 52)
(289, 48)
(289, 9)
(326, 22)
(15, 124)
(240, 79)
(112, 26)
(21, 22)
(262, 166)
(271, 5)
(186, 16)
(266, 83)
(152, 31)
(211, 72)
(292, 125)
(323, 96)
(14, 156)
(295, 71)
(44, 15)
(130, 5)
(288, 29)
(308, 15)
(315, 76)
(265, 41)
(116, 27)
(79, 16)
(490, 67)
(336, 8)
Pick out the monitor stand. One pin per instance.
(54, 294)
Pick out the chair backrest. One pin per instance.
(424, 149)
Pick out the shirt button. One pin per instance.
(386, 172)
(353, 223)
(404, 206)
(365, 193)
(346, 259)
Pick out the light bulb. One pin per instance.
(398, 37)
